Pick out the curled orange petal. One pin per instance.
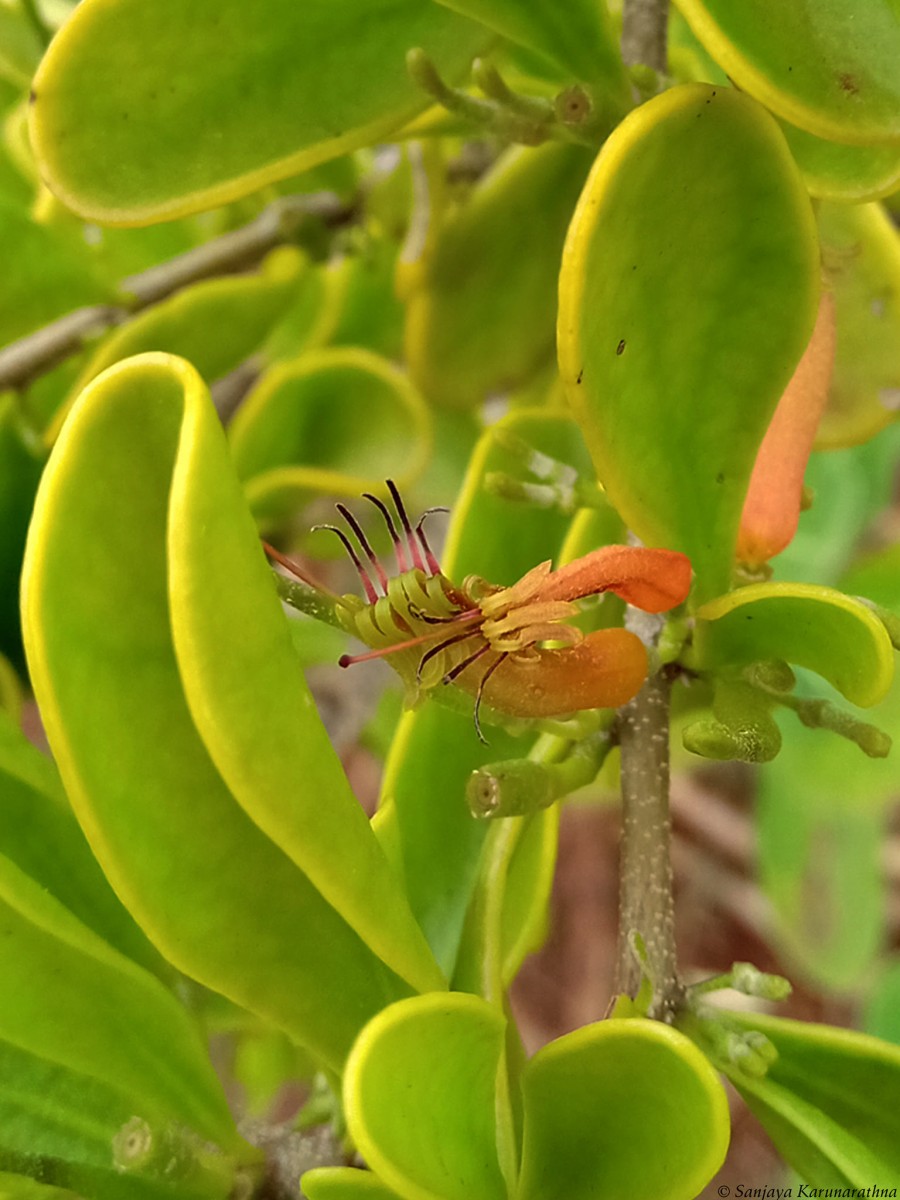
(772, 507)
(654, 580)
(603, 671)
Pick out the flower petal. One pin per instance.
(772, 507)
(654, 580)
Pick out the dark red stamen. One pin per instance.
(401, 513)
(466, 662)
(363, 541)
(441, 646)
(402, 564)
(478, 695)
(371, 593)
(433, 565)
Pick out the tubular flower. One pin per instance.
(491, 641)
(772, 507)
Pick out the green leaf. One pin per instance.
(20, 469)
(882, 1014)
(40, 835)
(507, 916)
(424, 820)
(621, 1108)
(252, 708)
(98, 619)
(344, 1183)
(75, 1001)
(20, 50)
(815, 627)
(423, 1092)
(47, 272)
(829, 1102)
(832, 170)
(824, 68)
(480, 313)
(289, 439)
(215, 324)
(578, 38)
(861, 249)
(820, 822)
(836, 171)
(18, 1187)
(70, 1130)
(197, 107)
(692, 246)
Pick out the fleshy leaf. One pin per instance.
(820, 823)
(74, 1001)
(423, 1092)
(481, 312)
(40, 835)
(197, 107)
(861, 250)
(772, 507)
(804, 624)
(836, 171)
(821, 67)
(621, 1108)
(20, 470)
(289, 437)
(215, 324)
(251, 706)
(19, 1187)
(832, 170)
(829, 1102)
(98, 619)
(578, 38)
(695, 194)
(48, 272)
(345, 1183)
(882, 1017)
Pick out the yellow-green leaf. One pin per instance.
(621, 1108)
(197, 105)
(810, 626)
(688, 292)
(826, 67)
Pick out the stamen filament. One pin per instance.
(363, 541)
(368, 585)
(402, 564)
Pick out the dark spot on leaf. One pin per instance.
(32, 96)
(579, 376)
(621, 346)
(720, 478)
(848, 83)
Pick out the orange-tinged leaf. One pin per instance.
(772, 507)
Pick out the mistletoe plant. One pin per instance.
(283, 201)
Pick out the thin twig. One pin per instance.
(24, 360)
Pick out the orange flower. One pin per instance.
(490, 641)
(772, 507)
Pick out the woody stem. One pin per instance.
(646, 901)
